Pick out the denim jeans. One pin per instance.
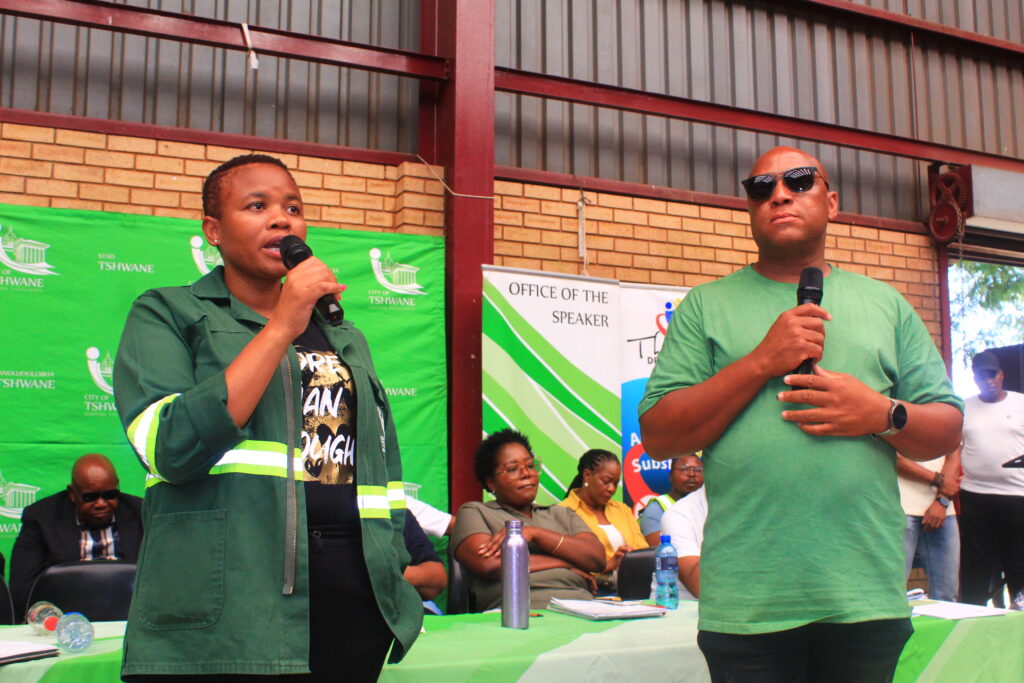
(939, 552)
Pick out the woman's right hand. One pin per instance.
(616, 559)
(304, 284)
(492, 546)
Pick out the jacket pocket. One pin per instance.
(181, 573)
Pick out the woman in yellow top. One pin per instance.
(590, 495)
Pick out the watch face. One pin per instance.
(899, 416)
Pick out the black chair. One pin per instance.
(459, 599)
(6, 604)
(635, 574)
(101, 589)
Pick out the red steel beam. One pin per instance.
(625, 99)
(202, 137)
(673, 194)
(933, 32)
(228, 35)
(465, 145)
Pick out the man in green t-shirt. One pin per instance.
(802, 560)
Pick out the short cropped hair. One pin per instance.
(487, 452)
(214, 181)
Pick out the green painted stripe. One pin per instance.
(604, 401)
(555, 418)
(560, 378)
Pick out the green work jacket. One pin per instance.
(222, 584)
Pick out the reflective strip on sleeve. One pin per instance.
(142, 432)
(263, 458)
(152, 480)
(373, 502)
(396, 495)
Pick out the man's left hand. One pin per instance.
(842, 404)
(934, 517)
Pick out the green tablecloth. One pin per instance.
(474, 647)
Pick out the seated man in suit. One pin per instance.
(90, 520)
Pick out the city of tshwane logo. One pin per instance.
(206, 257)
(398, 277)
(24, 256)
(15, 497)
(102, 371)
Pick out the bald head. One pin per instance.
(90, 461)
(783, 158)
(94, 490)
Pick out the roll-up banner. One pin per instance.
(551, 367)
(646, 312)
(68, 279)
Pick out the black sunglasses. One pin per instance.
(761, 187)
(93, 496)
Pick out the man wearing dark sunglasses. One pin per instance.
(90, 520)
(802, 558)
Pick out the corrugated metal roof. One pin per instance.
(104, 74)
(778, 58)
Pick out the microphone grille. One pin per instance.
(293, 251)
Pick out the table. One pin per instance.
(474, 647)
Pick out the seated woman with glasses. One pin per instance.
(590, 496)
(563, 551)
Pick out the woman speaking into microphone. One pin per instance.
(274, 504)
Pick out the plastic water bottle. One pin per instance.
(515, 577)
(666, 572)
(43, 617)
(74, 632)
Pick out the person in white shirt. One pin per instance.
(684, 522)
(436, 523)
(991, 496)
(931, 532)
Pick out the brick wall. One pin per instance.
(628, 238)
(659, 242)
(81, 170)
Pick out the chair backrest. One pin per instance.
(635, 574)
(101, 590)
(6, 605)
(459, 599)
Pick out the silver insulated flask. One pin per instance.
(515, 577)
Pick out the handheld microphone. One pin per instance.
(293, 252)
(809, 291)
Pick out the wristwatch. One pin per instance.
(943, 501)
(897, 419)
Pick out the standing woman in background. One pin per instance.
(590, 495)
(243, 571)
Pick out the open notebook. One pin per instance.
(598, 610)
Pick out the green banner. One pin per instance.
(68, 279)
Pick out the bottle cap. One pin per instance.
(514, 524)
(666, 538)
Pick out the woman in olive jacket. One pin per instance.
(254, 562)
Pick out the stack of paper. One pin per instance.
(955, 610)
(12, 651)
(597, 610)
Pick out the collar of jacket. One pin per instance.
(212, 286)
